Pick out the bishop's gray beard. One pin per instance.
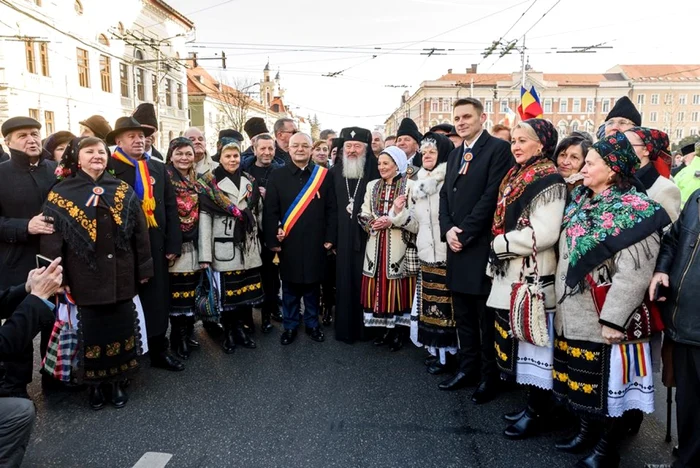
(354, 168)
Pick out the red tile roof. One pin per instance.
(661, 72)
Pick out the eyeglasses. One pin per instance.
(614, 121)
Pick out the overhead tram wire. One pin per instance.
(497, 43)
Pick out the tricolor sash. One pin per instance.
(301, 202)
(143, 184)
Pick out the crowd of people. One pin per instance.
(521, 257)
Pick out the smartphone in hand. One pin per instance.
(43, 262)
(661, 291)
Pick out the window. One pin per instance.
(44, 58)
(681, 116)
(434, 105)
(106, 73)
(83, 68)
(488, 106)
(31, 58)
(154, 87)
(590, 105)
(34, 114)
(49, 122)
(606, 105)
(180, 97)
(668, 99)
(576, 107)
(696, 99)
(682, 99)
(504, 105)
(563, 106)
(548, 106)
(140, 85)
(447, 105)
(78, 7)
(654, 98)
(124, 80)
(652, 117)
(640, 99)
(169, 93)
(562, 128)
(694, 117)
(679, 133)
(693, 131)
(574, 125)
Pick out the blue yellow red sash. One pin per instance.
(633, 362)
(301, 202)
(143, 184)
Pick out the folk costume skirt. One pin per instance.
(183, 288)
(605, 380)
(530, 364)
(110, 341)
(386, 302)
(240, 288)
(432, 316)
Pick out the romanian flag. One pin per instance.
(530, 107)
(509, 119)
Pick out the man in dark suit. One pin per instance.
(467, 204)
(164, 229)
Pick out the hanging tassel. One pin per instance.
(149, 205)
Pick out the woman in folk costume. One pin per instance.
(531, 201)
(386, 214)
(101, 234)
(610, 240)
(570, 154)
(184, 271)
(651, 147)
(230, 209)
(432, 317)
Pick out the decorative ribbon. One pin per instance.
(143, 184)
(301, 202)
(633, 362)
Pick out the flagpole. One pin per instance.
(522, 84)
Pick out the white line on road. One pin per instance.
(153, 460)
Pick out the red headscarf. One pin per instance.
(656, 142)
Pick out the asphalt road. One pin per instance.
(305, 405)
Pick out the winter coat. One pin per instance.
(216, 244)
(543, 215)
(680, 261)
(661, 190)
(401, 224)
(469, 202)
(426, 210)
(23, 191)
(629, 271)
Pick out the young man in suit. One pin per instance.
(467, 204)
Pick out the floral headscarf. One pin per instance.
(656, 143)
(547, 134)
(618, 153)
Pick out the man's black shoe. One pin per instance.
(276, 315)
(266, 327)
(485, 392)
(316, 334)
(288, 337)
(167, 362)
(457, 381)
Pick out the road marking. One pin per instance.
(153, 460)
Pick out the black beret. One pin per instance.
(688, 149)
(230, 133)
(443, 127)
(15, 123)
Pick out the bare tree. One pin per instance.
(234, 102)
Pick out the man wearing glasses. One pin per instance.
(284, 129)
(622, 117)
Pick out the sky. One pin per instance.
(376, 50)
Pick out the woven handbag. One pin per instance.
(62, 351)
(528, 317)
(207, 298)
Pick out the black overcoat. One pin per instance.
(165, 239)
(23, 191)
(469, 202)
(303, 256)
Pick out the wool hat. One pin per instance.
(99, 126)
(356, 134)
(618, 153)
(15, 123)
(230, 133)
(255, 126)
(124, 124)
(57, 139)
(409, 128)
(443, 127)
(547, 134)
(398, 156)
(624, 108)
(145, 113)
(686, 150)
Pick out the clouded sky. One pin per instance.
(371, 47)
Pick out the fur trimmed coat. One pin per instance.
(426, 209)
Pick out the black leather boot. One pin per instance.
(229, 344)
(266, 326)
(386, 338)
(535, 418)
(397, 340)
(327, 315)
(119, 396)
(633, 420)
(605, 453)
(190, 336)
(97, 397)
(515, 415)
(584, 439)
(241, 336)
(178, 336)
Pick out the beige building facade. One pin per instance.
(667, 96)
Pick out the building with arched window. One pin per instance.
(95, 58)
